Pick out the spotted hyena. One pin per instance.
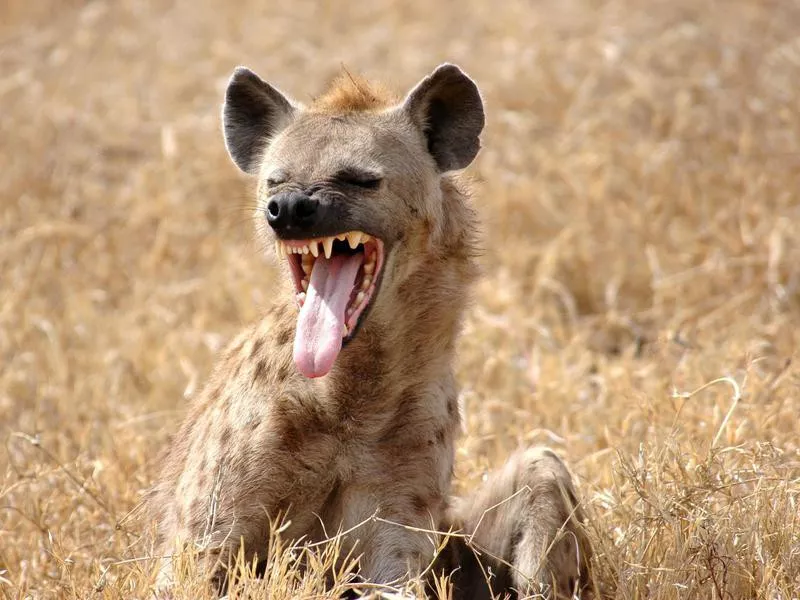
(338, 410)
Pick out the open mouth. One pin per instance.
(335, 280)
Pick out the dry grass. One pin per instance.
(640, 311)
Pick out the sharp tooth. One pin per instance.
(314, 248)
(304, 284)
(278, 247)
(360, 298)
(354, 239)
(327, 245)
(369, 268)
(344, 330)
(341, 236)
(366, 283)
(305, 249)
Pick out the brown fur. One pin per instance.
(352, 93)
(375, 437)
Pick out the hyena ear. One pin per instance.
(448, 108)
(253, 112)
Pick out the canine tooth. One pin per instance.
(369, 268)
(304, 284)
(327, 245)
(314, 248)
(354, 239)
(360, 298)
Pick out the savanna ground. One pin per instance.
(639, 313)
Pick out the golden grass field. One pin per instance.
(639, 311)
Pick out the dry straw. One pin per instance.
(640, 309)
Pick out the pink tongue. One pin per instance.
(318, 339)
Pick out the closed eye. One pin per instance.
(363, 179)
(277, 178)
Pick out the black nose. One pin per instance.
(291, 211)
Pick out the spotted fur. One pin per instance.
(375, 437)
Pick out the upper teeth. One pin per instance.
(354, 238)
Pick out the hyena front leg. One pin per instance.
(522, 531)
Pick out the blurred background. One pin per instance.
(639, 310)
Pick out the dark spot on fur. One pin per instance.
(306, 465)
(283, 373)
(401, 432)
(291, 437)
(283, 336)
(260, 370)
(419, 504)
(452, 406)
(301, 409)
(257, 345)
(441, 435)
(253, 425)
(279, 312)
(225, 434)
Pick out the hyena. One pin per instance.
(338, 410)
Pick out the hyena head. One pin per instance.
(352, 189)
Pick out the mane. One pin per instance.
(349, 93)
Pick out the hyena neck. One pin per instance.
(410, 342)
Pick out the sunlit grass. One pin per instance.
(639, 310)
